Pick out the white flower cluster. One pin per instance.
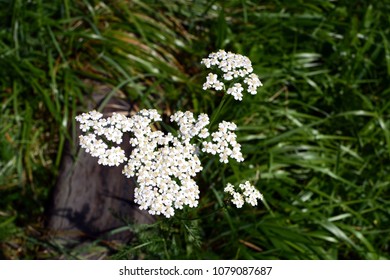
(213, 82)
(164, 165)
(233, 66)
(110, 128)
(189, 127)
(224, 143)
(247, 193)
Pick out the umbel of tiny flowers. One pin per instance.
(236, 69)
(244, 193)
(164, 165)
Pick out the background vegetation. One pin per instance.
(316, 137)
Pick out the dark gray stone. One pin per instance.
(90, 200)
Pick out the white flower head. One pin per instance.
(236, 91)
(244, 193)
(233, 67)
(224, 143)
(164, 165)
(212, 82)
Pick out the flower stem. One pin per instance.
(219, 108)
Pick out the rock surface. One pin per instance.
(90, 200)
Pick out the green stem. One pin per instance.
(219, 108)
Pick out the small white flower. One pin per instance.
(204, 133)
(95, 115)
(238, 200)
(229, 188)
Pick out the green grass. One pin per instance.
(316, 137)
